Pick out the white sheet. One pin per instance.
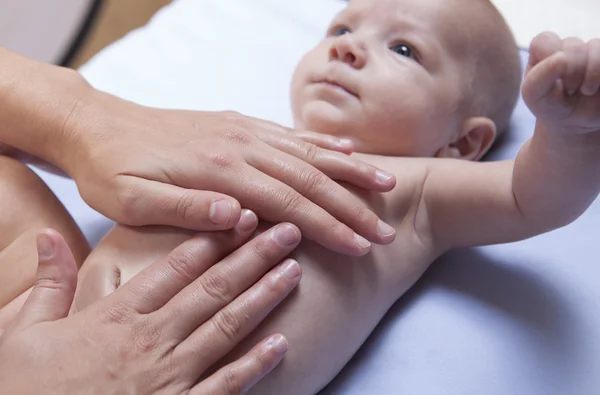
(512, 319)
(568, 18)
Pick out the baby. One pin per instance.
(423, 88)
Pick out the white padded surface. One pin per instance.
(513, 319)
(568, 18)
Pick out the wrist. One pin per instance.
(36, 99)
(562, 138)
(65, 149)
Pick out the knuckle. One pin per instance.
(217, 287)
(238, 120)
(222, 162)
(118, 314)
(292, 201)
(311, 152)
(145, 337)
(229, 324)
(261, 250)
(238, 136)
(233, 116)
(127, 200)
(264, 361)
(233, 385)
(315, 181)
(184, 206)
(181, 263)
(363, 214)
(273, 285)
(49, 283)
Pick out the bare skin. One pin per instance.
(27, 207)
(146, 166)
(438, 204)
(129, 342)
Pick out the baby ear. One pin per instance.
(476, 138)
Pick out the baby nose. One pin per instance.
(345, 49)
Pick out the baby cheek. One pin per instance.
(402, 125)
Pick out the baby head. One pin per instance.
(411, 78)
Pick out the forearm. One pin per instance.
(553, 180)
(36, 100)
(556, 177)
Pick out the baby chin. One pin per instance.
(325, 117)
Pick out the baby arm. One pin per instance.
(556, 175)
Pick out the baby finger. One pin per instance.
(592, 76)
(577, 57)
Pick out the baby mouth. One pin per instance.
(336, 86)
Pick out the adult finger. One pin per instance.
(326, 193)
(158, 283)
(322, 140)
(157, 203)
(274, 201)
(325, 141)
(219, 335)
(55, 282)
(9, 313)
(243, 374)
(225, 281)
(335, 165)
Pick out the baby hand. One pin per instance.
(562, 82)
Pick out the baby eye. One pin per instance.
(340, 31)
(405, 50)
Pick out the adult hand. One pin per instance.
(11, 310)
(144, 166)
(161, 331)
(190, 169)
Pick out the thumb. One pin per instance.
(166, 204)
(55, 282)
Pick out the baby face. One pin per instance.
(388, 75)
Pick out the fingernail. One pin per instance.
(382, 176)
(279, 344)
(220, 212)
(384, 229)
(45, 247)
(248, 221)
(290, 269)
(588, 91)
(285, 235)
(361, 241)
